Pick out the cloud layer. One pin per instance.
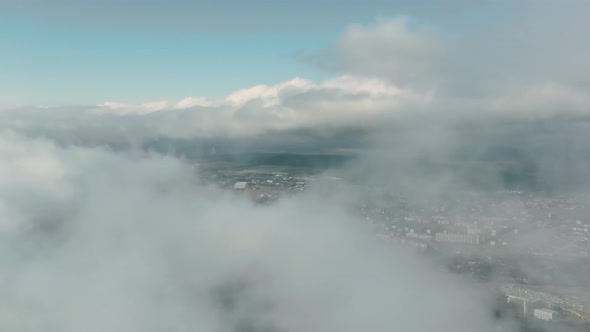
(529, 66)
(295, 104)
(94, 241)
(344, 103)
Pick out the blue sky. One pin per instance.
(88, 52)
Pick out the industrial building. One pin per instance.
(545, 314)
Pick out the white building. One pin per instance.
(545, 314)
(423, 237)
(240, 185)
(457, 238)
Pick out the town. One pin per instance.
(532, 248)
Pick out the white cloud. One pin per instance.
(390, 69)
(267, 95)
(528, 68)
(290, 105)
(551, 98)
(129, 242)
(192, 102)
(93, 240)
(389, 48)
(110, 107)
(367, 103)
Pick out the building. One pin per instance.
(240, 185)
(457, 238)
(545, 314)
(423, 237)
(519, 305)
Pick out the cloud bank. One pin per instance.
(95, 240)
(344, 103)
(295, 104)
